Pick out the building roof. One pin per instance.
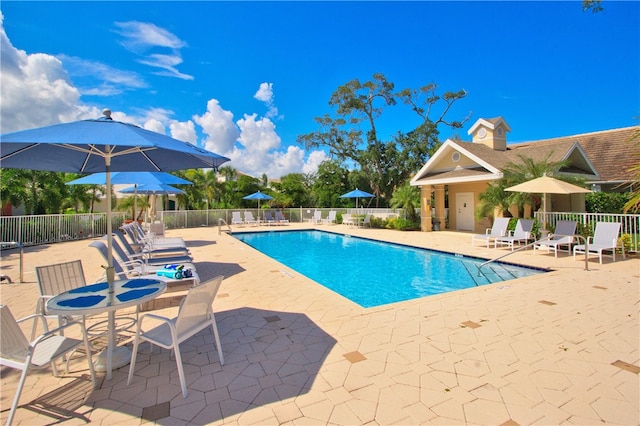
(599, 157)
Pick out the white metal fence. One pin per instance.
(45, 229)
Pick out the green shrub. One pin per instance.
(402, 224)
(606, 202)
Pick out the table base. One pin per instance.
(121, 356)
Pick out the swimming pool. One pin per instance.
(372, 273)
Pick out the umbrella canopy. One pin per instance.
(547, 185)
(357, 193)
(101, 145)
(258, 196)
(153, 188)
(131, 178)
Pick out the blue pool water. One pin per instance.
(372, 273)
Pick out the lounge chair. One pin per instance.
(347, 219)
(499, 229)
(138, 235)
(269, 219)
(604, 238)
(19, 353)
(154, 257)
(317, 217)
(367, 221)
(280, 219)
(195, 314)
(236, 219)
(137, 268)
(331, 218)
(563, 236)
(249, 219)
(521, 234)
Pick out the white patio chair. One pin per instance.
(499, 229)
(521, 234)
(347, 219)
(331, 218)
(563, 236)
(366, 221)
(53, 280)
(249, 219)
(317, 217)
(236, 219)
(17, 352)
(195, 314)
(605, 237)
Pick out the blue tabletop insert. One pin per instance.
(82, 301)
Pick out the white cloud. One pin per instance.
(142, 37)
(219, 127)
(184, 131)
(35, 89)
(265, 94)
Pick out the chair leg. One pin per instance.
(183, 381)
(23, 378)
(214, 326)
(134, 355)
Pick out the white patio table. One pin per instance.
(95, 299)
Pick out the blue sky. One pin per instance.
(244, 79)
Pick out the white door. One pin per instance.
(464, 211)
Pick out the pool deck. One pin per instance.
(556, 348)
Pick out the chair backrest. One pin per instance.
(564, 228)
(124, 243)
(332, 215)
(60, 277)
(279, 215)
(13, 343)
(317, 215)
(523, 228)
(102, 248)
(267, 216)
(500, 225)
(606, 233)
(346, 217)
(235, 216)
(196, 307)
(367, 219)
(248, 216)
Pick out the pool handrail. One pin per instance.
(548, 237)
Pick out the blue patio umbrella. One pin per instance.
(131, 178)
(154, 188)
(101, 145)
(356, 193)
(258, 196)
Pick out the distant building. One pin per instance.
(462, 170)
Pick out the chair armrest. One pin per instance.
(56, 331)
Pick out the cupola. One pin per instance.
(491, 132)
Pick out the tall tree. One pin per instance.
(352, 135)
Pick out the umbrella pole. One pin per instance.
(110, 272)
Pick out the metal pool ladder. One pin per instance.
(586, 251)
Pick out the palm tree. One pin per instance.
(406, 197)
(494, 197)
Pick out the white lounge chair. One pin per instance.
(605, 237)
(563, 236)
(249, 219)
(195, 314)
(499, 229)
(347, 219)
(367, 221)
(280, 219)
(17, 352)
(331, 218)
(236, 219)
(317, 217)
(520, 235)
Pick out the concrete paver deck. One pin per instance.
(556, 348)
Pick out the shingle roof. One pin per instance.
(612, 152)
